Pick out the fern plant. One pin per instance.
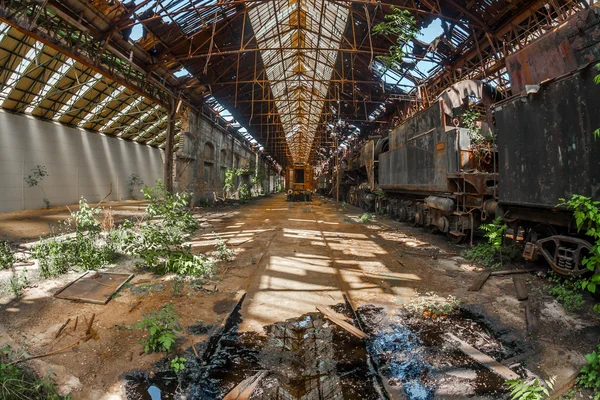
(589, 377)
(521, 390)
(162, 327)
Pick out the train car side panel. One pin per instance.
(558, 156)
(420, 154)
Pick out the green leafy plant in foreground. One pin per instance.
(587, 219)
(223, 252)
(521, 390)
(18, 383)
(494, 253)
(17, 282)
(178, 364)
(162, 326)
(589, 377)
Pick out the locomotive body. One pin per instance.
(299, 182)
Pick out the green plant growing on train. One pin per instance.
(35, 178)
(401, 24)
(587, 219)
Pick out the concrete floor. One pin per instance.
(290, 258)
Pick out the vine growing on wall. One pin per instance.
(35, 178)
(401, 24)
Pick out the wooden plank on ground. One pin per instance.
(330, 315)
(483, 359)
(520, 288)
(245, 388)
(479, 281)
(568, 385)
(531, 318)
(517, 271)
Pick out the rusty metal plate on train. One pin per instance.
(93, 287)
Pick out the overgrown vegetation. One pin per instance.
(244, 192)
(35, 178)
(433, 306)
(589, 377)
(17, 383)
(566, 291)
(522, 390)
(17, 282)
(587, 219)
(366, 218)
(7, 257)
(229, 182)
(480, 142)
(160, 239)
(493, 254)
(223, 252)
(134, 181)
(162, 326)
(402, 25)
(86, 250)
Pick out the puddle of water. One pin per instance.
(309, 358)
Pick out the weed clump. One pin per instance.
(366, 218)
(493, 254)
(589, 377)
(20, 383)
(162, 326)
(433, 306)
(7, 258)
(87, 249)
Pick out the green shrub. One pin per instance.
(587, 218)
(20, 384)
(566, 291)
(244, 192)
(18, 282)
(493, 254)
(171, 209)
(521, 390)
(162, 327)
(589, 377)
(7, 258)
(223, 252)
(366, 217)
(86, 250)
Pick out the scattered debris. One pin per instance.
(62, 327)
(94, 287)
(483, 359)
(520, 287)
(245, 388)
(342, 324)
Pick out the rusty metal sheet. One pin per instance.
(93, 287)
(570, 46)
(546, 146)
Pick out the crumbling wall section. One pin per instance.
(205, 152)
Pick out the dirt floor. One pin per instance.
(291, 258)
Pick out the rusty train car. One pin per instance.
(433, 171)
(299, 182)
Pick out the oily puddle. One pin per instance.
(311, 358)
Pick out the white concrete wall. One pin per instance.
(79, 163)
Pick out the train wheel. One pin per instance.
(419, 218)
(458, 237)
(402, 214)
